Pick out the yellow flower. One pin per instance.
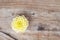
(19, 23)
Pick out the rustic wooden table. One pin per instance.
(43, 15)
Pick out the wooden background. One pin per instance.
(44, 14)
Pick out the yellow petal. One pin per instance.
(19, 23)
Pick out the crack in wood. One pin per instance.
(9, 35)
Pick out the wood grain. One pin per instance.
(42, 14)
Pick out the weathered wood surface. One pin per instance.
(44, 17)
(32, 4)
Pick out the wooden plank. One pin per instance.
(32, 4)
